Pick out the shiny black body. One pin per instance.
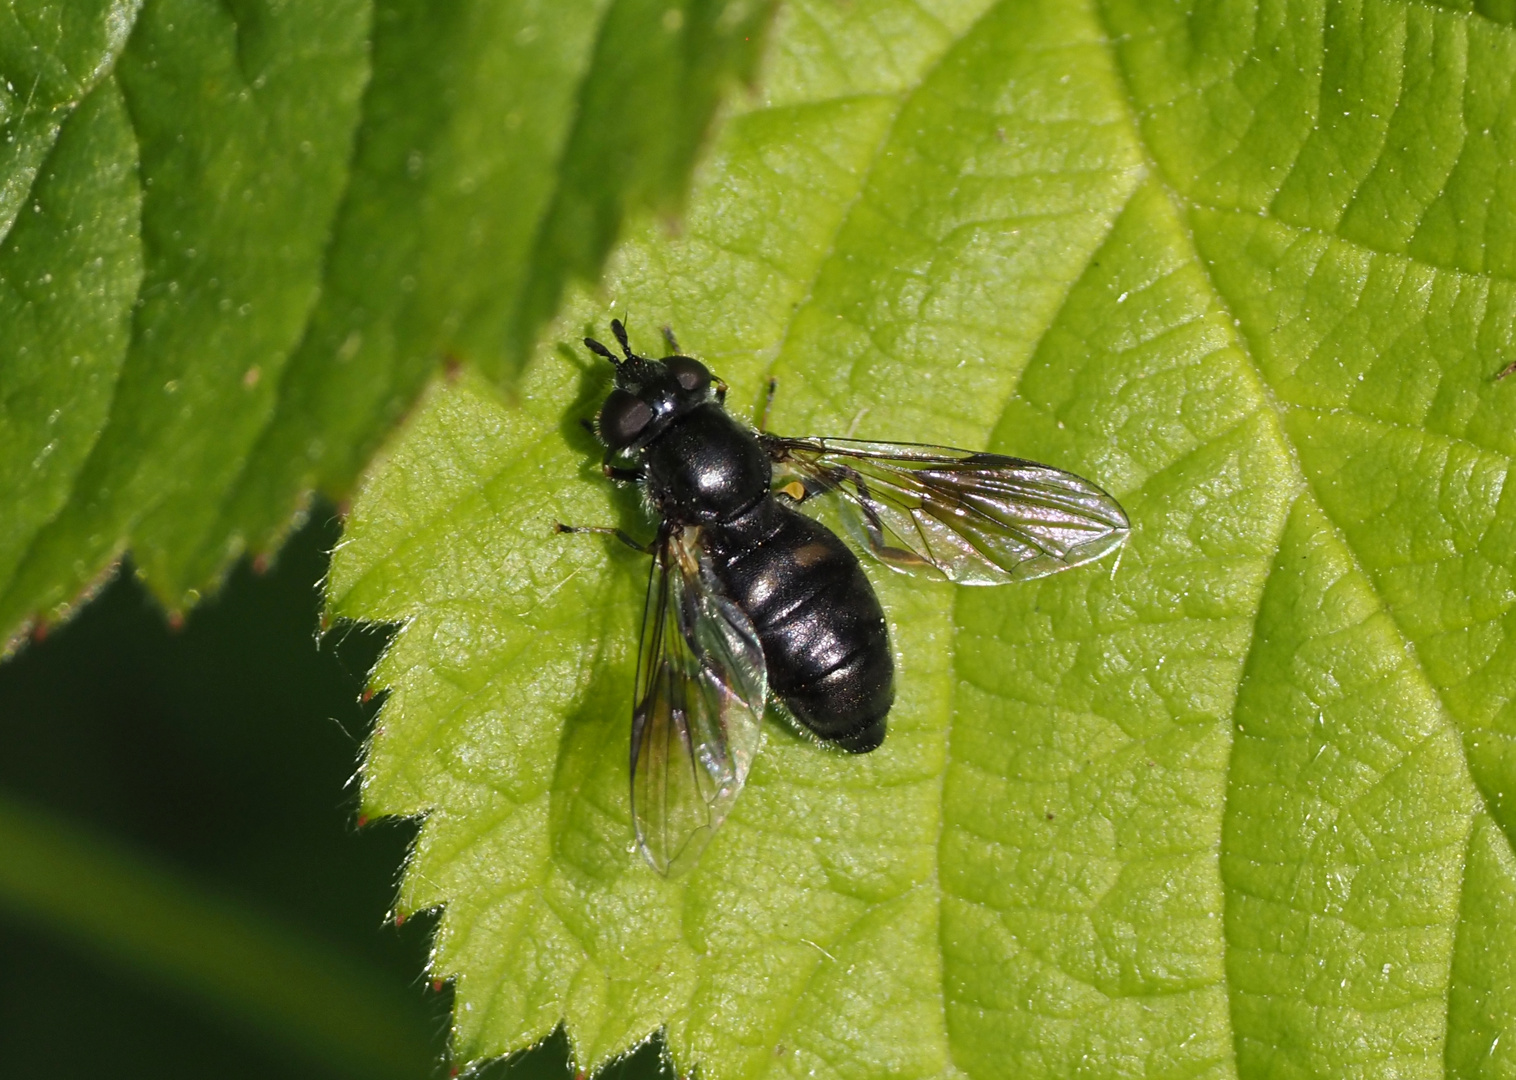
(747, 595)
(825, 642)
(823, 632)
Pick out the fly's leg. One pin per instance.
(620, 473)
(625, 538)
(768, 403)
(873, 525)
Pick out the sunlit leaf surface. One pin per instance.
(1241, 805)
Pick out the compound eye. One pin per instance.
(690, 374)
(622, 418)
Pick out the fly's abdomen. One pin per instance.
(823, 632)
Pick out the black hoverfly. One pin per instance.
(747, 595)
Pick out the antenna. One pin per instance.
(619, 330)
(600, 350)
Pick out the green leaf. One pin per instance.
(70, 268)
(51, 57)
(1239, 805)
(70, 259)
(268, 224)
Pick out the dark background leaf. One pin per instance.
(335, 199)
(209, 767)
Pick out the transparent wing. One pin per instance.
(972, 518)
(701, 683)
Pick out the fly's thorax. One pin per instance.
(706, 467)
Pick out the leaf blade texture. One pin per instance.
(1237, 809)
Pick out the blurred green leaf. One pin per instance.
(290, 986)
(69, 269)
(71, 257)
(1239, 806)
(51, 57)
(267, 224)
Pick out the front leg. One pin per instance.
(620, 473)
(624, 537)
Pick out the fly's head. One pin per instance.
(649, 393)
